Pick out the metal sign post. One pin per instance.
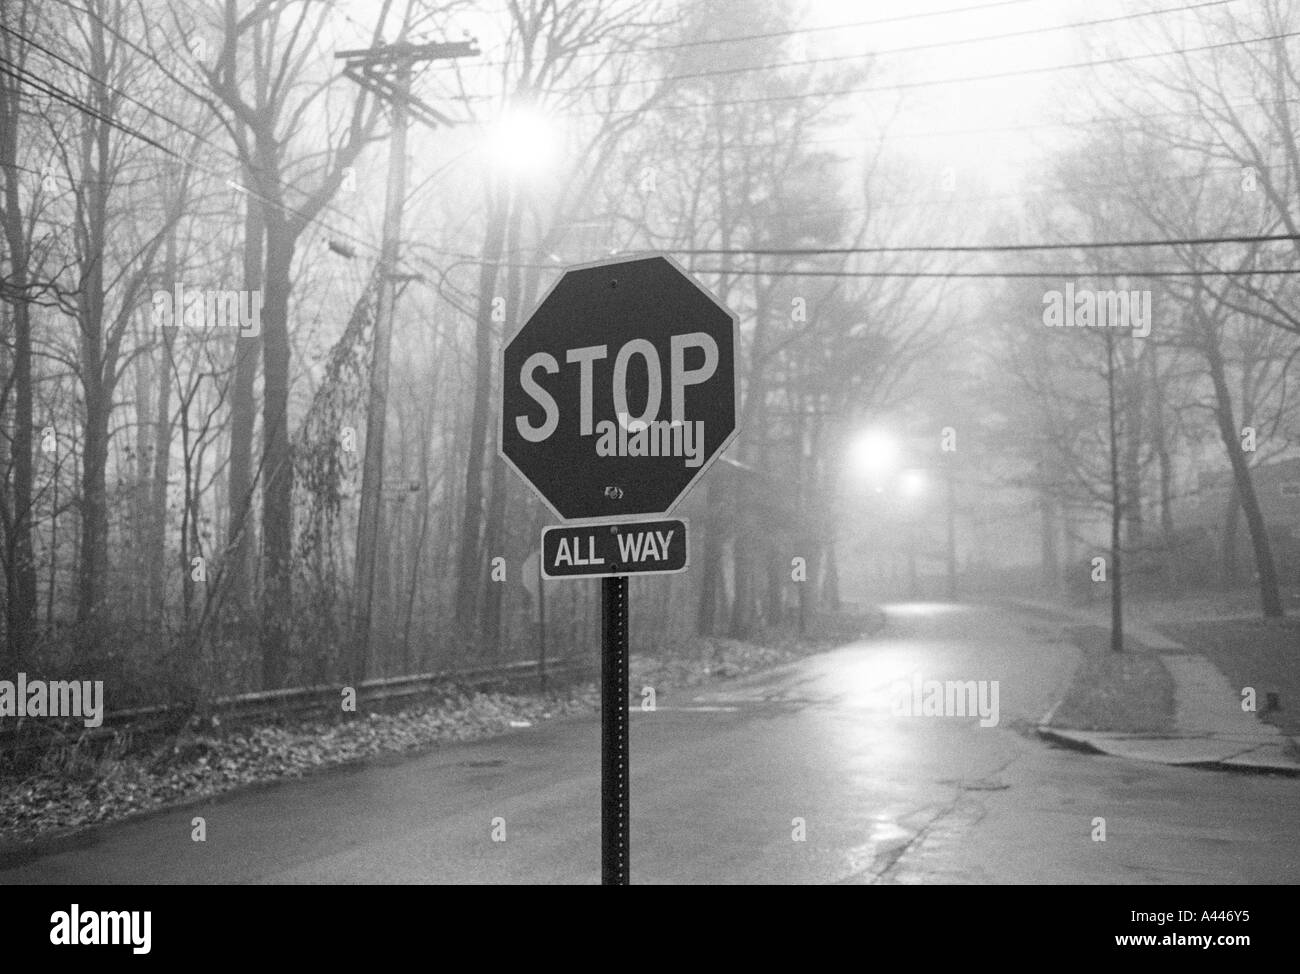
(611, 552)
(618, 393)
(615, 770)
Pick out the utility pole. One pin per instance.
(385, 71)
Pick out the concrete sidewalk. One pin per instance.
(1210, 728)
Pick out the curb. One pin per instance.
(1091, 742)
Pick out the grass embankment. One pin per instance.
(1129, 692)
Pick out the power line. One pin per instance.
(80, 105)
(21, 75)
(1127, 122)
(789, 32)
(61, 176)
(951, 200)
(234, 155)
(371, 246)
(908, 49)
(1071, 273)
(707, 146)
(989, 248)
(1074, 273)
(280, 185)
(58, 176)
(965, 248)
(934, 82)
(31, 42)
(53, 91)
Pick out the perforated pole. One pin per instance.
(614, 767)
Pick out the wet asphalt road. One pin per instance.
(722, 773)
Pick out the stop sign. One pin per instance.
(620, 389)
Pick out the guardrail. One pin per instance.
(248, 708)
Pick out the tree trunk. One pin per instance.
(774, 613)
(831, 583)
(711, 584)
(1049, 557)
(494, 534)
(743, 595)
(418, 538)
(93, 567)
(1116, 506)
(1228, 545)
(1160, 434)
(470, 567)
(156, 547)
(1130, 376)
(1270, 597)
(277, 465)
(141, 488)
(710, 571)
(243, 417)
(751, 445)
(96, 372)
(19, 559)
(1132, 468)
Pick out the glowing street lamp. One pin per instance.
(523, 141)
(912, 484)
(874, 455)
(877, 457)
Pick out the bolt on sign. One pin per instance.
(617, 394)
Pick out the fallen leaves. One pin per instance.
(202, 765)
(85, 791)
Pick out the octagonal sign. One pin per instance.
(620, 389)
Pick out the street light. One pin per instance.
(875, 455)
(912, 484)
(522, 141)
